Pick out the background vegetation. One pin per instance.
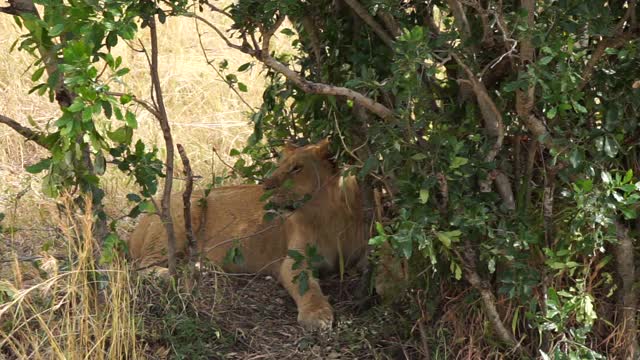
(495, 142)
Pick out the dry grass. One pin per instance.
(77, 311)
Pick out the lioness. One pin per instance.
(331, 219)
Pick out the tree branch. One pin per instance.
(304, 84)
(362, 12)
(311, 30)
(22, 130)
(625, 264)
(612, 42)
(324, 89)
(165, 213)
(149, 107)
(186, 198)
(490, 113)
(488, 298)
(460, 18)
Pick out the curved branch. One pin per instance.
(325, 89)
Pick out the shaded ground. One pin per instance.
(253, 317)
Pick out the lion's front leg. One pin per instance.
(314, 311)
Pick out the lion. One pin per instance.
(322, 209)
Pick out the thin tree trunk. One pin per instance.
(628, 298)
(165, 211)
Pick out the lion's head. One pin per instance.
(301, 174)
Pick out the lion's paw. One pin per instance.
(316, 317)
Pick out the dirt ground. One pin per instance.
(255, 318)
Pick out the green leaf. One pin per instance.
(134, 197)
(295, 255)
(628, 176)
(76, 106)
(419, 156)
(130, 119)
(303, 282)
(56, 30)
(147, 207)
(457, 162)
(551, 113)
(287, 32)
(244, 67)
(610, 146)
(576, 157)
(424, 196)
(122, 135)
(37, 74)
(579, 107)
(125, 99)
(39, 166)
(545, 60)
(444, 239)
(122, 72)
(242, 87)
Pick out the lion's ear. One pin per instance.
(289, 147)
(322, 148)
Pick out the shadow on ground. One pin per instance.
(253, 317)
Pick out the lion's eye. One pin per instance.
(296, 169)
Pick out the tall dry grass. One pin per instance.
(79, 311)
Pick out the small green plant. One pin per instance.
(308, 263)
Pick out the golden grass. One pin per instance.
(80, 311)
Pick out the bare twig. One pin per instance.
(363, 13)
(217, 9)
(210, 62)
(149, 107)
(165, 213)
(186, 197)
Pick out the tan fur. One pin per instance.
(332, 220)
